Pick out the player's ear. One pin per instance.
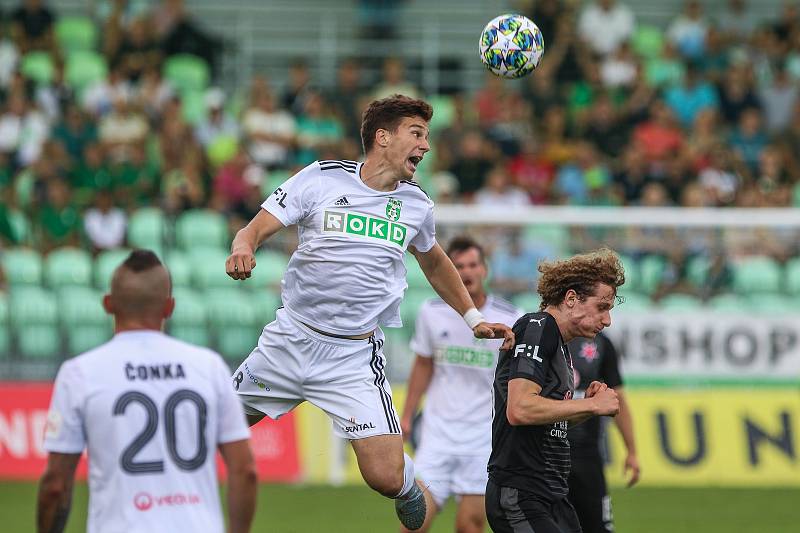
(570, 298)
(108, 304)
(169, 307)
(382, 137)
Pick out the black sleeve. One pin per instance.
(537, 344)
(609, 370)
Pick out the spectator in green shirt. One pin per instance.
(58, 220)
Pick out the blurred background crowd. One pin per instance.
(124, 112)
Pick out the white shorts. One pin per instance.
(451, 475)
(343, 377)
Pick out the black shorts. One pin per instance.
(510, 510)
(589, 495)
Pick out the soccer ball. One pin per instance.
(511, 46)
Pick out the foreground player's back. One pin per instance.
(151, 410)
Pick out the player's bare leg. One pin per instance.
(430, 513)
(471, 514)
(388, 471)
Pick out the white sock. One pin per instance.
(408, 477)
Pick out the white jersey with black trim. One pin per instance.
(152, 411)
(348, 274)
(457, 418)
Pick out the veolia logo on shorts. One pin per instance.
(365, 226)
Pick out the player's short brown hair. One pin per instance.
(462, 243)
(387, 113)
(580, 273)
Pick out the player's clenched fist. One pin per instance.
(240, 264)
(606, 402)
(595, 387)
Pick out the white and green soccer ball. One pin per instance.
(511, 46)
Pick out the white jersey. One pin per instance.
(348, 274)
(151, 410)
(457, 417)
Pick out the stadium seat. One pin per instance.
(105, 264)
(235, 342)
(32, 306)
(270, 266)
(84, 68)
(412, 301)
(5, 344)
(22, 266)
(21, 225)
(414, 275)
(275, 179)
(39, 341)
(230, 307)
(190, 309)
(84, 338)
(445, 112)
(75, 34)
(202, 227)
(186, 72)
(697, 270)
(68, 266)
(632, 278)
(193, 106)
(647, 41)
(82, 306)
(265, 303)
(147, 228)
(759, 274)
(633, 302)
(680, 302)
(197, 335)
(773, 304)
(527, 301)
(651, 269)
(3, 309)
(38, 67)
(180, 268)
(792, 271)
(208, 268)
(555, 238)
(729, 303)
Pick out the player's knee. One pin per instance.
(469, 524)
(388, 483)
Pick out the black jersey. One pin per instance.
(595, 360)
(532, 458)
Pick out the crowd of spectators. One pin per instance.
(704, 112)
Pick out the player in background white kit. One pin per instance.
(455, 371)
(345, 280)
(152, 411)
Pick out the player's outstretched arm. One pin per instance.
(55, 492)
(418, 382)
(444, 279)
(624, 422)
(526, 407)
(242, 484)
(242, 260)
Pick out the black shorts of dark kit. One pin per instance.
(510, 510)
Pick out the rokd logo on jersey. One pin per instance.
(365, 226)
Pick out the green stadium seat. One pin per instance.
(647, 41)
(632, 277)
(3, 309)
(68, 266)
(414, 275)
(75, 34)
(230, 307)
(222, 149)
(759, 274)
(190, 309)
(147, 228)
(680, 302)
(197, 335)
(265, 303)
(773, 304)
(5, 342)
(275, 179)
(550, 234)
(193, 106)
(697, 270)
(729, 303)
(527, 301)
(21, 225)
(651, 270)
(82, 306)
(208, 268)
(270, 266)
(84, 68)
(32, 306)
(445, 112)
(186, 72)
(203, 228)
(22, 266)
(39, 341)
(633, 302)
(792, 271)
(105, 264)
(412, 301)
(38, 67)
(180, 268)
(84, 338)
(236, 342)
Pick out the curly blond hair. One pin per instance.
(580, 273)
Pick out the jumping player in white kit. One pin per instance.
(345, 280)
(455, 371)
(152, 411)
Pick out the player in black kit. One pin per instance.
(596, 360)
(533, 404)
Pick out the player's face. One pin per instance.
(590, 316)
(407, 146)
(471, 269)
